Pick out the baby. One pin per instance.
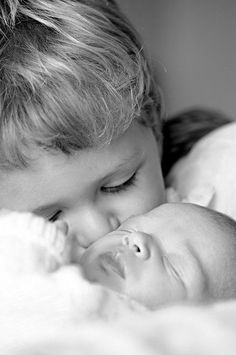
(175, 252)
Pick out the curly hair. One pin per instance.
(73, 74)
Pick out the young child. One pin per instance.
(80, 116)
(175, 252)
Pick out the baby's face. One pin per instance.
(175, 252)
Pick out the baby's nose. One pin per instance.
(138, 243)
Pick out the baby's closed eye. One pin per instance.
(173, 266)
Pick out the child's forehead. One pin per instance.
(128, 147)
(50, 171)
(134, 135)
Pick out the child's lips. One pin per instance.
(110, 261)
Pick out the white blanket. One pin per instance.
(177, 330)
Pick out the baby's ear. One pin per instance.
(202, 195)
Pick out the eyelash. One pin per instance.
(111, 190)
(122, 187)
(55, 216)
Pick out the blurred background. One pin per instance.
(193, 46)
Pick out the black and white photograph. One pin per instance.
(117, 177)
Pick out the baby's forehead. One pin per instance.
(205, 225)
(193, 219)
(177, 218)
(180, 212)
(187, 211)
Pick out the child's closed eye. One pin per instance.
(55, 216)
(121, 187)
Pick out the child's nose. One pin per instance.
(93, 224)
(63, 226)
(138, 243)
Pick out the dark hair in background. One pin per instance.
(183, 130)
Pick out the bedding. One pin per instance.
(206, 175)
(47, 307)
(178, 330)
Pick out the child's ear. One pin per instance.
(202, 195)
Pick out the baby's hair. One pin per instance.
(73, 75)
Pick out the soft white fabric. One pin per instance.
(206, 176)
(177, 330)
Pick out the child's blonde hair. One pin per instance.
(73, 75)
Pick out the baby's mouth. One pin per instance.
(113, 261)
